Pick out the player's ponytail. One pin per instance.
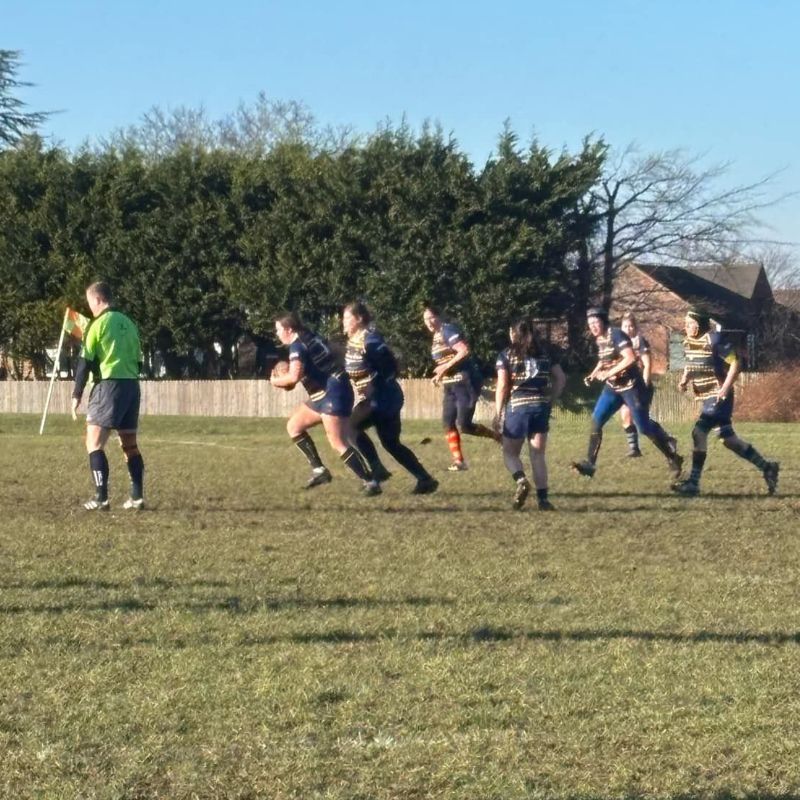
(524, 339)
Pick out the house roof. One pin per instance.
(788, 297)
(738, 278)
(696, 288)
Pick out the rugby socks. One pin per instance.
(595, 440)
(355, 462)
(698, 461)
(454, 443)
(136, 471)
(632, 435)
(749, 453)
(661, 440)
(519, 475)
(541, 495)
(98, 464)
(367, 449)
(305, 444)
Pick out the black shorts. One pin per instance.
(115, 404)
(458, 405)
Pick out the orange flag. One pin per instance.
(75, 324)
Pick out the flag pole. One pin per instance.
(56, 364)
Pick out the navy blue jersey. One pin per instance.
(708, 359)
(640, 346)
(442, 350)
(317, 359)
(609, 353)
(530, 377)
(369, 361)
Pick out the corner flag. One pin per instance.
(75, 324)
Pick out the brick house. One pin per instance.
(736, 296)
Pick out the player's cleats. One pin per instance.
(319, 477)
(97, 505)
(546, 505)
(585, 468)
(372, 488)
(457, 466)
(425, 486)
(132, 504)
(635, 453)
(380, 473)
(686, 488)
(676, 465)
(771, 475)
(522, 492)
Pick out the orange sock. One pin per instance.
(454, 443)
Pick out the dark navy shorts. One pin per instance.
(717, 415)
(458, 405)
(338, 398)
(525, 421)
(115, 404)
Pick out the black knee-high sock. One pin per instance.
(660, 439)
(136, 471)
(749, 453)
(98, 464)
(305, 444)
(698, 460)
(632, 435)
(595, 440)
(354, 461)
(367, 449)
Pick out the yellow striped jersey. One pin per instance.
(708, 359)
(442, 350)
(369, 360)
(609, 353)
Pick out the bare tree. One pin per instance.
(667, 206)
(255, 129)
(781, 262)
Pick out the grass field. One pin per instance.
(246, 639)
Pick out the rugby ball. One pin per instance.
(280, 368)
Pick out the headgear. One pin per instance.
(599, 312)
(701, 318)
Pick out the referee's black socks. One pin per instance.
(98, 464)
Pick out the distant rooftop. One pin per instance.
(738, 278)
(724, 292)
(788, 297)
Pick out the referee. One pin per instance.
(112, 355)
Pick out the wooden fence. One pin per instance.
(256, 398)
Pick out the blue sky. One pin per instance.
(717, 77)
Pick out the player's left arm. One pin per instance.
(380, 360)
(734, 368)
(501, 391)
(647, 367)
